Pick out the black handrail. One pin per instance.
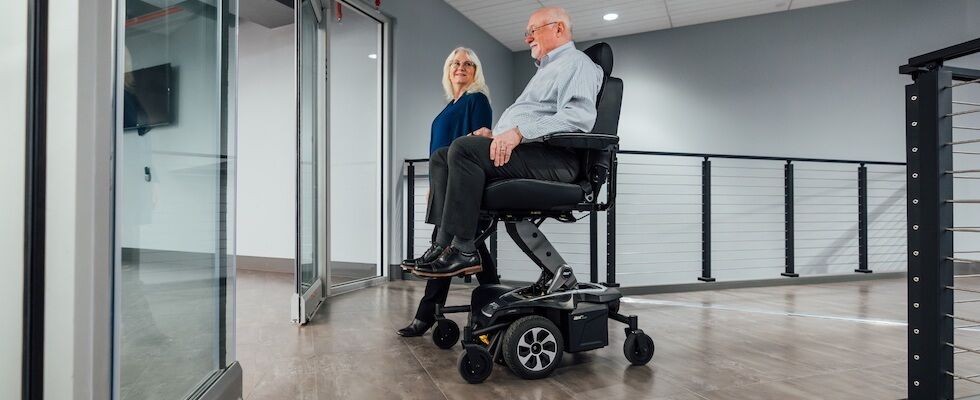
(706, 275)
(733, 156)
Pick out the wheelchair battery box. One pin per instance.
(586, 327)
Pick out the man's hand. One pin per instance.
(485, 132)
(504, 144)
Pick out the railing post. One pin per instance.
(611, 229)
(410, 215)
(706, 221)
(593, 246)
(930, 243)
(789, 218)
(863, 220)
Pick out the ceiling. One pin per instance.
(506, 20)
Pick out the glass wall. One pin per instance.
(356, 60)
(174, 190)
(13, 99)
(307, 192)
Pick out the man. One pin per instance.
(561, 97)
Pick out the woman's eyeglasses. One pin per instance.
(467, 64)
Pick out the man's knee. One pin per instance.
(468, 146)
(439, 157)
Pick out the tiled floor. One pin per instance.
(831, 341)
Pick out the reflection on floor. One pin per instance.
(344, 272)
(830, 341)
(168, 330)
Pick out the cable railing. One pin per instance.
(942, 142)
(683, 218)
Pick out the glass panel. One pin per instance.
(308, 272)
(355, 143)
(13, 110)
(174, 183)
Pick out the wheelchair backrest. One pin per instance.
(596, 163)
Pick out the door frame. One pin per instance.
(384, 151)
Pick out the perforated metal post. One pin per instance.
(790, 222)
(863, 220)
(930, 243)
(706, 221)
(611, 229)
(410, 215)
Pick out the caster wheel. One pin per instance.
(532, 347)
(638, 348)
(446, 334)
(475, 364)
(614, 306)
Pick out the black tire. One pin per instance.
(475, 366)
(638, 348)
(446, 334)
(533, 347)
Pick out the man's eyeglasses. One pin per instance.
(531, 31)
(467, 64)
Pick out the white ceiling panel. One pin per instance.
(506, 20)
(811, 3)
(690, 12)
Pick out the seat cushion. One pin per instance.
(530, 195)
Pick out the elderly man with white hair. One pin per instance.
(561, 97)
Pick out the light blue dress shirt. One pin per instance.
(561, 96)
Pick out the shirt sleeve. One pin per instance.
(481, 114)
(576, 104)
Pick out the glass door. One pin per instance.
(357, 137)
(310, 288)
(174, 185)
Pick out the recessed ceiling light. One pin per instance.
(372, 56)
(610, 17)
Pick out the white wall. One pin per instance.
(817, 82)
(266, 223)
(13, 71)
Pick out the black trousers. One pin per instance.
(437, 290)
(458, 174)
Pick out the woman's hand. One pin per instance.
(485, 132)
(503, 145)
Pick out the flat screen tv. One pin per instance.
(148, 98)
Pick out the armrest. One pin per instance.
(581, 140)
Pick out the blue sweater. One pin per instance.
(469, 113)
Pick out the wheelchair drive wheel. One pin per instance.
(446, 334)
(475, 364)
(533, 347)
(638, 347)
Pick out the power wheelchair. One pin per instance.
(529, 328)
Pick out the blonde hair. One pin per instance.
(479, 84)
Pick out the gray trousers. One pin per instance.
(459, 173)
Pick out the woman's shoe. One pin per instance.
(429, 256)
(416, 328)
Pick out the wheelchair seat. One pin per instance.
(596, 151)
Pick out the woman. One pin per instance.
(468, 111)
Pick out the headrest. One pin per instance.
(601, 54)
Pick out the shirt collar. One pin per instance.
(553, 54)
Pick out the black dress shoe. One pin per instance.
(416, 328)
(452, 262)
(429, 256)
